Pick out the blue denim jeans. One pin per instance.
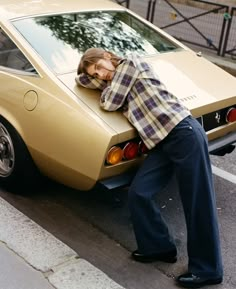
(184, 152)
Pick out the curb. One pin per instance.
(61, 266)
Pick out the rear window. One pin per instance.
(61, 39)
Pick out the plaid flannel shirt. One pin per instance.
(148, 105)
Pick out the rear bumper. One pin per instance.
(119, 181)
(220, 147)
(223, 145)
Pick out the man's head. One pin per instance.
(98, 63)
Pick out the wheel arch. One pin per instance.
(10, 118)
(18, 170)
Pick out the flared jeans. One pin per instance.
(184, 152)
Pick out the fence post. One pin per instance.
(151, 10)
(227, 32)
(222, 40)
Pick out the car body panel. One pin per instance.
(47, 149)
(201, 94)
(16, 9)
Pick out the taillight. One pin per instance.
(114, 156)
(231, 115)
(130, 150)
(142, 148)
(126, 151)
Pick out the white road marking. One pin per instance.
(223, 174)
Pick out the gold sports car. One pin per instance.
(49, 124)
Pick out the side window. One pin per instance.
(11, 56)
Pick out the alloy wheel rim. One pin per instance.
(7, 155)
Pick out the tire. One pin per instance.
(18, 172)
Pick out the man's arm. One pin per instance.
(114, 95)
(88, 81)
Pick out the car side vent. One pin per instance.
(188, 98)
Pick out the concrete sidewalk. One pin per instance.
(32, 258)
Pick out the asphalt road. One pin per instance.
(97, 226)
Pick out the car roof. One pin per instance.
(11, 9)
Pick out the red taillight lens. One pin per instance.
(231, 115)
(130, 151)
(114, 156)
(126, 151)
(142, 148)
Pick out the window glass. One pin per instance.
(11, 56)
(62, 39)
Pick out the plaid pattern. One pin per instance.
(88, 81)
(148, 105)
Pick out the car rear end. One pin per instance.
(208, 91)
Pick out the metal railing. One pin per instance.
(200, 23)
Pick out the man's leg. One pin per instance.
(151, 232)
(187, 146)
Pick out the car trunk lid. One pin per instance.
(202, 86)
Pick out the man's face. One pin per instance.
(103, 69)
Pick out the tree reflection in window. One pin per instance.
(67, 34)
(99, 29)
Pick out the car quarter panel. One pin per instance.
(66, 140)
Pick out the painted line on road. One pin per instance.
(223, 174)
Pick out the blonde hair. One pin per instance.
(92, 56)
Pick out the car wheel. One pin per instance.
(17, 169)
